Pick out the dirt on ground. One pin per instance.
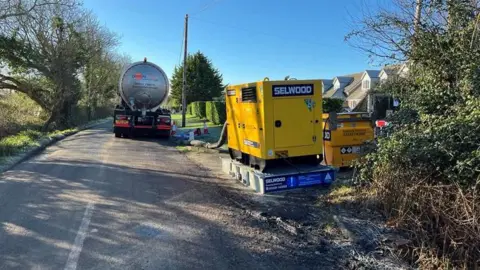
(319, 225)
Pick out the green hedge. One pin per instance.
(192, 108)
(198, 109)
(216, 112)
(209, 111)
(202, 112)
(332, 105)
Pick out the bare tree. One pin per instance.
(388, 35)
(418, 14)
(45, 51)
(59, 55)
(14, 8)
(100, 71)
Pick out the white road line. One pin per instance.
(81, 235)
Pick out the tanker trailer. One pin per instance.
(143, 88)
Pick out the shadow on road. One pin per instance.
(146, 216)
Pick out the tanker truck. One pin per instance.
(143, 88)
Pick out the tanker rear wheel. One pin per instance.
(118, 135)
(163, 136)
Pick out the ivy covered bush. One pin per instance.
(425, 175)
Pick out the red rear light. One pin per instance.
(165, 120)
(381, 123)
(121, 117)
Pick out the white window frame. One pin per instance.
(366, 84)
(352, 104)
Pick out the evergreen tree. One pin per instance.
(204, 82)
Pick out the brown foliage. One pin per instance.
(443, 220)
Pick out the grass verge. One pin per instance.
(24, 140)
(12, 145)
(183, 149)
(193, 122)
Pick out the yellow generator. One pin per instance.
(344, 136)
(275, 120)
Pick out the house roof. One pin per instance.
(356, 80)
(357, 94)
(372, 73)
(327, 84)
(391, 69)
(344, 79)
(333, 92)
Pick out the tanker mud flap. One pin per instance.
(131, 132)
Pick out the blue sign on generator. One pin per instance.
(284, 182)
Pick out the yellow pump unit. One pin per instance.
(275, 120)
(344, 136)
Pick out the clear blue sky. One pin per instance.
(246, 40)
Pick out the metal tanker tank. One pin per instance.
(143, 86)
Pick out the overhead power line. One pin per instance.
(205, 7)
(181, 48)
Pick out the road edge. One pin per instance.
(44, 143)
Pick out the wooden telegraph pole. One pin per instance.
(184, 98)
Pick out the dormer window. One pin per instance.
(336, 85)
(366, 84)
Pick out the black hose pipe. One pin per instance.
(221, 141)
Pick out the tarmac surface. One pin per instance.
(92, 201)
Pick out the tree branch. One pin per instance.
(35, 5)
(35, 93)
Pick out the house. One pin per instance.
(388, 72)
(358, 90)
(339, 84)
(380, 103)
(326, 85)
(403, 71)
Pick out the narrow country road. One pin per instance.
(92, 201)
